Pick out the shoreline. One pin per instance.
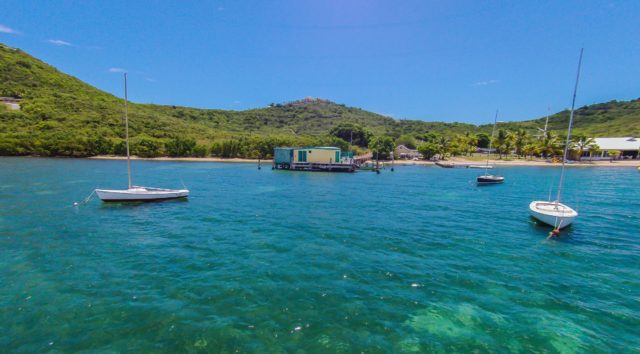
(180, 159)
(462, 162)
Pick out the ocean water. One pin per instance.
(416, 260)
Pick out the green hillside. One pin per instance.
(63, 116)
(611, 119)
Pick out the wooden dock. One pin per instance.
(316, 167)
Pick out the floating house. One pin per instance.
(313, 158)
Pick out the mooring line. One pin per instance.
(86, 200)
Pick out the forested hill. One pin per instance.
(611, 119)
(62, 116)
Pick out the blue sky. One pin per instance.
(430, 60)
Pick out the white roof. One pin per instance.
(627, 143)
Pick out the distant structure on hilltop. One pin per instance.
(12, 103)
(303, 102)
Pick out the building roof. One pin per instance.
(626, 143)
(320, 147)
(307, 148)
(403, 147)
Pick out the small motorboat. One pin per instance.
(140, 194)
(553, 213)
(489, 179)
(489, 167)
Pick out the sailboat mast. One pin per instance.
(495, 121)
(126, 129)
(566, 145)
(546, 123)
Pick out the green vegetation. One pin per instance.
(62, 116)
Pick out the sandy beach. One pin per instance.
(462, 162)
(458, 161)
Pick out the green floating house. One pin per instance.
(313, 158)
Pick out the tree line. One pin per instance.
(344, 135)
(505, 143)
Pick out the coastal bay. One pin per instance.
(419, 259)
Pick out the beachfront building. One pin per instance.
(403, 152)
(313, 158)
(627, 147)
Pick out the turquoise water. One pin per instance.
(420, 259)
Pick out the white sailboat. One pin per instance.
(486, 178)
(137, 193)
(555, 213)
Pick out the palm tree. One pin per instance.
(521, 138)
(548, 145)
(499, 140)
(583, 143)
(509, 143)
(471, 143)
(443, 146)
(528, 150)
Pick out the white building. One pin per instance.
(13, 104)
(629, 148)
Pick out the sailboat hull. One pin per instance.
(489, 179)
(140, 194)
(551, 213)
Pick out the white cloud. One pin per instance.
(59, 42)
(485, 83)
(117, 70)
(5, 29)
